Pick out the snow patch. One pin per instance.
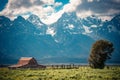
(38, 34)
(50, 31)
(56, 41)
(87, 29)
(112, 28)
(11, 24)
(70, 26)
(94, 26)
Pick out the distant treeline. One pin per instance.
(70, 66)
(4, 65)
(65, 66)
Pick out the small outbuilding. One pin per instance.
(27, 62)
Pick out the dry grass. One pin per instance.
(83, 73)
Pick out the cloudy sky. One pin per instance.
(50, 11)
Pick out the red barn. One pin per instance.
(27, 62)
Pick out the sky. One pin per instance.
(49, 11)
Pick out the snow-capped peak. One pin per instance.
(35, 20)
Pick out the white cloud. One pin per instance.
(93, 0)
(12, 9)
(107, 15)
(102, 16)
(52, 18)
(48, 9)
(72, 5)
(101, 8)
(24, 8)
(83, 14)
(45, 9)
(50, 2)
(68, 8)
(75, 2)
(58, 4)
(90, 0)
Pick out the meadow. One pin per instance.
(82, 73)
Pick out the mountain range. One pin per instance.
(68, 40)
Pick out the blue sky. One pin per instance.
(50, 11)
(63, 1)
(2, 4)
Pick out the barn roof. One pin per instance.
(25, 61)
(26, 58)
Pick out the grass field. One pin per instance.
(83, 73)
